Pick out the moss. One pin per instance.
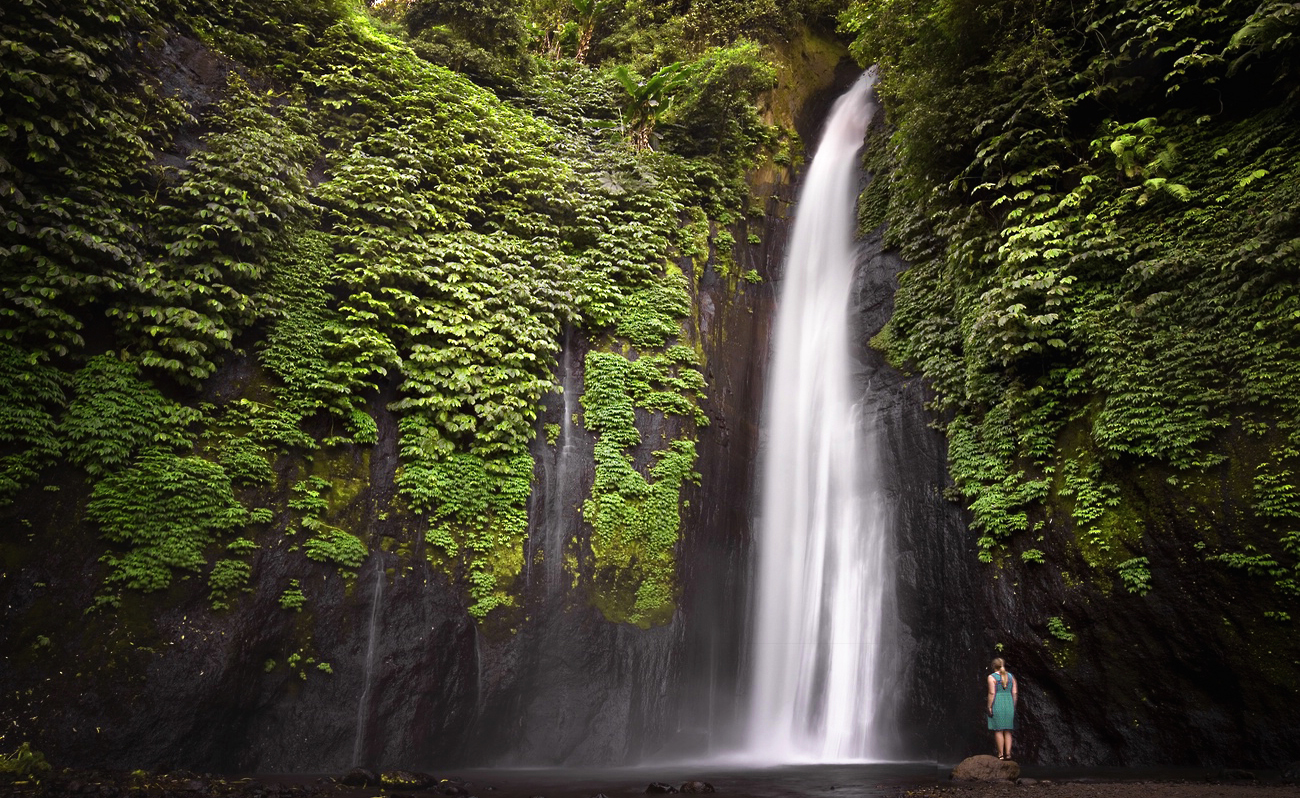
(635, 520)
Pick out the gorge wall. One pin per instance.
(316, 523)
(1093, 290)
(355, 412)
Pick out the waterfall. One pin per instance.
(822, 584)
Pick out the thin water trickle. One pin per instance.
(556, 532)
(363, 703)
(822, 580)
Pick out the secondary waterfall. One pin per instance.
(822, 586)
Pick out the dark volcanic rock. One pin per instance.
(986, 768)
(697, 787)
(360, 777)
(660, 788)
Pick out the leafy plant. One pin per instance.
(163, 511)
(645, 98)
(293, 598)
(1057, 628)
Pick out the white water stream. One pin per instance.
(817, 690)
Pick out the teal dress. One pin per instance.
(1004, 707)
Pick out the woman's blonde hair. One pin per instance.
(999, 666)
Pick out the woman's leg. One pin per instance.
(1006, 741)
(998, 735)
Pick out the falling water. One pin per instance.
(368, 664)
(556, 531)
(816, 693)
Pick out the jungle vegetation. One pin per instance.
(236, 234)
(1100, 203)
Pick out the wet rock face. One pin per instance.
(932, 650)
(387, 669)
(1191, 673)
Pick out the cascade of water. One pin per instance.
(816, 690)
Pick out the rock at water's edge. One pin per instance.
(360, 777)
(986, 768)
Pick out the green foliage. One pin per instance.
(478, 511)
(76, 128)
(1090, 198)
(30, 395)
(163, 511)
(634, 517)
(485, 39)
(646, 97)
(244, 460)
(218, 216)
(228, 576)
(293, 598)
(1057, 628)
(327, 544)
(333, 545)
(716, 112)
(1136, 575)
(114, 414)
(374, 225)
(24, 763)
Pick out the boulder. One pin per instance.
(697, 787)
(360, 777)
(1291, 772)
(985, 768)
(660, 788)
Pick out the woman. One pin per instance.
(1002, 707)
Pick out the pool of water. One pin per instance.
(815, 781)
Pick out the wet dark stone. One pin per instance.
(659, 788)
(1291, 772)
(451, 788)
(985, 768)
(1233, 774)
(697, 787)
(360, 777)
